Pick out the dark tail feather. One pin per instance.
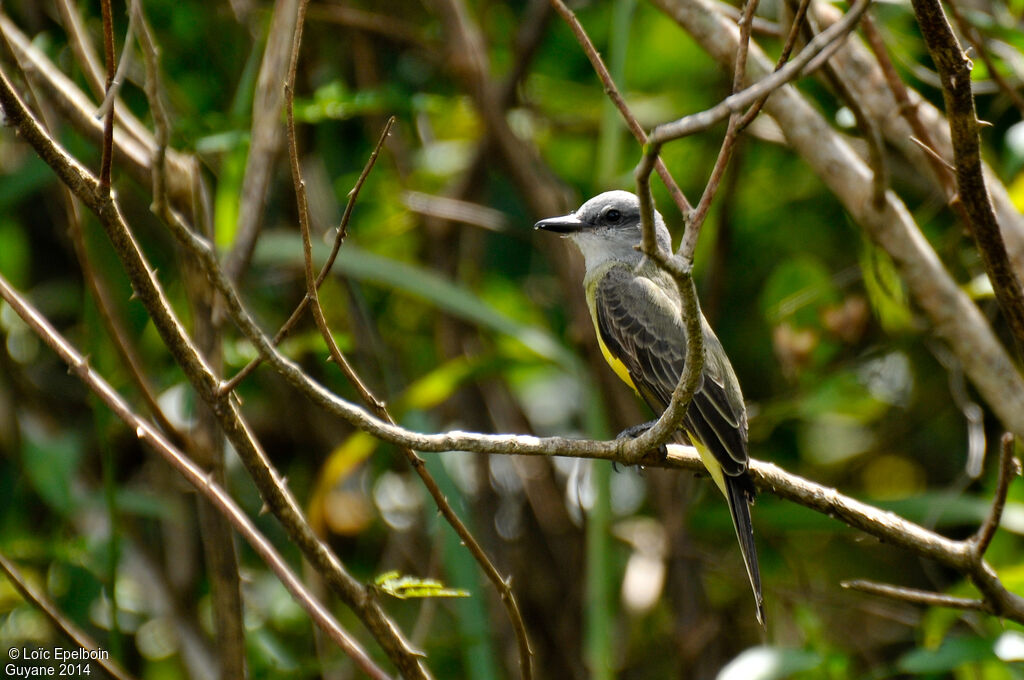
(740, 494)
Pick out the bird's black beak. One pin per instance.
(561, 225)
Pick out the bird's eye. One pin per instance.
(612, 216)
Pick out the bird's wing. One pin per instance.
(641, 326)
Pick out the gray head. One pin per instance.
(607, 227)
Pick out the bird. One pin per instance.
(636, 309)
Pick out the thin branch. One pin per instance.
(612, 91)
(787, 50)
(954, 69)
(681, 271)
(942, 162)
(148, 291)
(65, 625)
(108, 121)
(389, 27)
(193, 474)
(1008, 468)
(940, 166)
(500, 583)
(695, 220)
(154, 95)
(265, 135)
(122, 67)
(759, 25)
(339, 238)
(85, 55)
(971, 32)
(813, 55)
(134, 146)
(915, 596)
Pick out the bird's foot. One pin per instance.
(659, 454)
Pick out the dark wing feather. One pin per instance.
(641, 326)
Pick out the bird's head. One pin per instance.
(607, 227)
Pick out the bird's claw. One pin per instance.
(634, 431)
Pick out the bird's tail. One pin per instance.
(739, 496)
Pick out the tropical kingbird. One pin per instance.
(637, 314)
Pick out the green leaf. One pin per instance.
(334, 101)
(885, 289)
(407, 587)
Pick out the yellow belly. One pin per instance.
(708, 458)
(613, 361)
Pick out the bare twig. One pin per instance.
(613, 94)
(681, 271)
(154, 95)
(122, 67)
(108, 121)
(695, 219)
(195, 475)
(760, 25)
(867, 126)
(265, 137)
(339, 238)
(85, 55)
(787, 50)
(971, 32)
(1008, 468)
(41, 602)
(915, 596)
(934, 155)
(389, 27)
(954, 68)
(813, 55)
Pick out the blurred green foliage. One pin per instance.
(469, 324)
